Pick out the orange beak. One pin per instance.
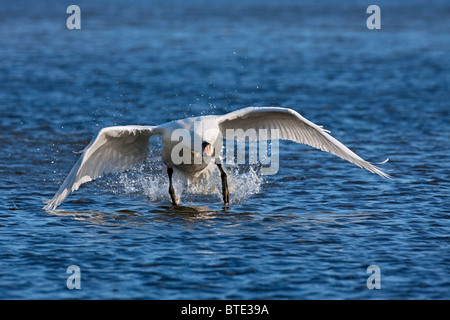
(207, 150)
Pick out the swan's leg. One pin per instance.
(225, 193)
(171, 189)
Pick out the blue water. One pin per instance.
(309, 232)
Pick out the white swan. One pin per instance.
(118, 148)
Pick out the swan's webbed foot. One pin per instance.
(173, 196)
(225, 192)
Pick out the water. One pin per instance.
(309, 232)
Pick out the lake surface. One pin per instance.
(308, 232)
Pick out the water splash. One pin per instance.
(150, 178)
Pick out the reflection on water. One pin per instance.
(184, 214)
(163, 213)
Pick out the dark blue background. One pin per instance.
(308, 232)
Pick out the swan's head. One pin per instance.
(207, 149)
(208, 133)
(194, 140)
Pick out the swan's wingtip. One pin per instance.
(54, 202)
(387, 159)
(49, 205)
(387, 176)
(381, 172)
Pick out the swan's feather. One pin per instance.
(114, 149)
(292, 126)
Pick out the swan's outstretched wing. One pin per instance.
(292, 126)
(114, 149)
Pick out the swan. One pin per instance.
(118, 148)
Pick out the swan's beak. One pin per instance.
(207, 149)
